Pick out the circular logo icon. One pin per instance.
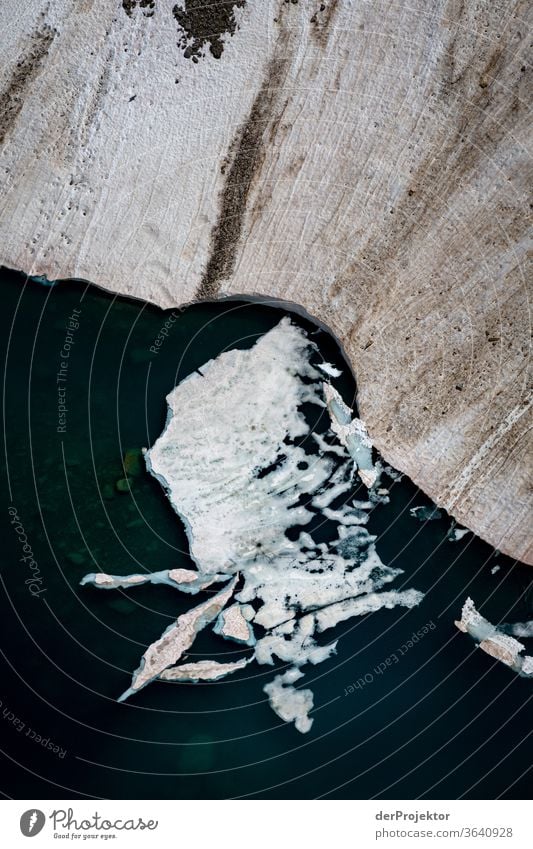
(32, 822)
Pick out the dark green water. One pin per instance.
(443, 722)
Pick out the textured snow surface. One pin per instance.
(239, 469)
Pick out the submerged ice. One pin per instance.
(241, 467)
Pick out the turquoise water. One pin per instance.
(444, 720)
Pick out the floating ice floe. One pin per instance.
(455, 534)
(426, 514)
(237, 468)
(176, 639)
(330, 370)
(496, 641)
(202, 670)
(290, 704)
(351, 433)
(233, 623)
(185, 580)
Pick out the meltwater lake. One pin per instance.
(408, 707)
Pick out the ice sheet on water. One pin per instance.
(238, 470)
(497, 640)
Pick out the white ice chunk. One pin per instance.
(185, 580)
(346, 515)
(287, 702)
(176, 639)
(237, 468)
(335, 613)
(293, 643)
(327, 368)
(240, 410)
(325, 498)
(202, 670)
(232, 624)
(325, 447)
(495, 639)
(527, 667)
(426, 514)
(455, 534)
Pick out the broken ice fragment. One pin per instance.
(527, 667)
(232, 624)
(351, 567)
(287, 702)
(352, 433)
(455, 534)
(177, 638)
(335, 613)
(238, 469)
(202, 670)
(293, 642)
(425, 514)
(493, 640)
(329, 369)
(185, 580)
(324, 499)
(213, 468)
(502, 648)
(327, 448)
(347, 515)
(113, 582)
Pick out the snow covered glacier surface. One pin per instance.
(241, 466)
